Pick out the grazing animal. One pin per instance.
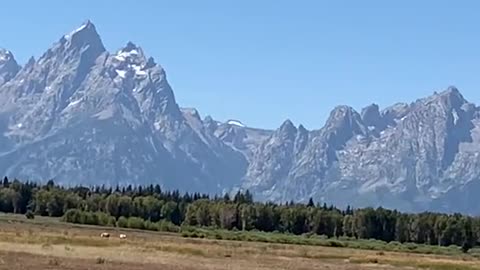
(123, 236)
(105, 235)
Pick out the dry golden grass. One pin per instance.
(49, 244)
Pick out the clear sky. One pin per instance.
(263, 61)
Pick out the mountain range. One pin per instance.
(82, 115)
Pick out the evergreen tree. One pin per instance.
(151, 208)
(310, 203)
(6, 183)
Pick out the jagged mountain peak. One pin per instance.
(6, 55)
(86, 27)
(286, 130)
(192, 112)
(31, 61)
(395, 112)
(85, 35)
(81, 46)
(208, 119)
(372, 108)
(131, 60)
(130, 47)
(131, 51)
(60, 71)
(288, 125)
(450, 98)
(343, 111)
(210, 124)
(8, 66)
(344, 117)
(453, 96)
(302, 128)
(452, 90)
(371, 116)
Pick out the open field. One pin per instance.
(49, 244)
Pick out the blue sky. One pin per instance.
(265, 61)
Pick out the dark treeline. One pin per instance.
(152, 205)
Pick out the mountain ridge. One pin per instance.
(83, 115)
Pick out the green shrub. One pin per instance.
(73, 216)
(122, 222)
(411, 246)
(135, 223)
(150, 226)
(334, 243)
(186, 234)
(105, 219)
(29, 215)
(167, 226)
(90, 218)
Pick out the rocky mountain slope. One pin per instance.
(8, 66)
(418, 156)
(82, 115)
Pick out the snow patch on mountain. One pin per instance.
(121, 73)
(73, 103)
(139, 70)
(235, 123)
(124, 55)
(5, 57)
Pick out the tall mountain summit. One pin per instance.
(83, 115)
(80, 114)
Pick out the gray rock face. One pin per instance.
(8, 66)
(239, 137)
(82, 115)
(422, 156)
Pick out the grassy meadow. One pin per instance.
(47, 243)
